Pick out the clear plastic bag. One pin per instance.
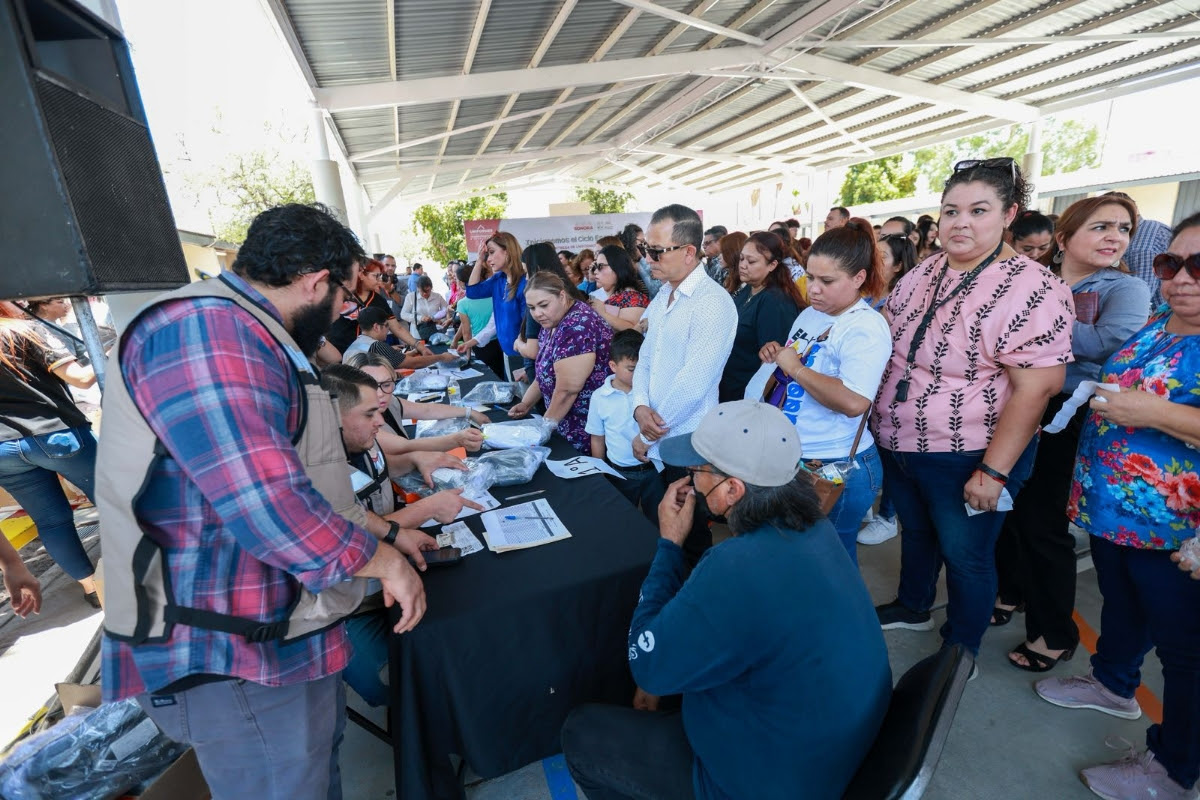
(516, 433)
(1189, 552)
(516, 466)
(413, 483)
(428, 428)
(439, 338)
(423, 382)
(97, 753)
(478, 478)
(491, 393)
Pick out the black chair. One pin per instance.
(900, 763)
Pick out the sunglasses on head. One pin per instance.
(1167, 266)
(988, 163)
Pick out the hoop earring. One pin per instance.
(1058, 257)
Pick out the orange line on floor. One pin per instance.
(1151, 705)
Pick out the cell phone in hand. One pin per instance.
(442, 557)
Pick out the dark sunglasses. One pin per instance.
(988, 163)
(596, 268)
(655, 253)
(1167, 266)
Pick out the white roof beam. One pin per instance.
(828, 120)
(505, 82)
(1005, 41)
(719, 157)
(484, 184)
(653, 178)
(877, 81)
(468, 62)
(479, 162)
(480, 125)
(692, 21)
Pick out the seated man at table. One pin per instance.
(772, 639)
(358, 406)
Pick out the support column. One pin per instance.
(91, 337)
(1031, 165)
(327, 181)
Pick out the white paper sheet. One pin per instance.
(579, 466)
(465, 374)
(1004, 503)
(457, 534)
(520, 526)
(486, 500)
(1081, 395)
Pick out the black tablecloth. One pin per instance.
(513, 641)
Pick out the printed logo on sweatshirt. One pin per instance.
(646, 641)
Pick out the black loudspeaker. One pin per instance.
(83, 207)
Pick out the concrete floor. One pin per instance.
(1006, 742)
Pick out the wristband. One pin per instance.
(393, 530)
(994, 474)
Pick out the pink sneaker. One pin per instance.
(1084, 691)
(1137, 776)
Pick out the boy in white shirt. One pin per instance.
(612, 427)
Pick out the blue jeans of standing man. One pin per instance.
(29, 470)
(927, 489)
(1148, 602)
(862, 484)
(260, 742)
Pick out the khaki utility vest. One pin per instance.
(139, 604)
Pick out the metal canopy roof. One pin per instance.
(431, 99)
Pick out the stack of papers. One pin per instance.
(521, 526)
(457, 534)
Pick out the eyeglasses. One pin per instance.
(693, 471)
(988, 163)
(596, 268)
(655, 253)
(1167, 266)
(348, 298)
(891, 237)
(387, 386)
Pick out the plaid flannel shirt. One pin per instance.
(233, 508)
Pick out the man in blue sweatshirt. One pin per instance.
(772, 640)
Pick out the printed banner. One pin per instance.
(572, 233)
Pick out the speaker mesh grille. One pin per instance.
(112, 176)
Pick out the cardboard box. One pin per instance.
(180, 781)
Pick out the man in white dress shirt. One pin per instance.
(691, 323)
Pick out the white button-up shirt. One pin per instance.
(687, 344)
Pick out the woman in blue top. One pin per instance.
(506, 287)
(1137, 493)
(1035, 555)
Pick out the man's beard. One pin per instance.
(312, 322)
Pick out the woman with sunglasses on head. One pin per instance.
(1035, 556)
(1136, 492)
(506, 287)
(767, 301)
(827, 370)
(980, 337)
(626, 299)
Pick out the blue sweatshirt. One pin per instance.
(777, 650)
(508, 313)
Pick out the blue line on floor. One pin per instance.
(558, 779)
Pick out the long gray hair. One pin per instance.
(794, 506)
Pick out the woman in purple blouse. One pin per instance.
(572, 360)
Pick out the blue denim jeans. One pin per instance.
(261, 742)
(862, 485)
(29, 470)
(1148, 602)
(927, 489)
(369, 637)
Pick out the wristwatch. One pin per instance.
(393, 531)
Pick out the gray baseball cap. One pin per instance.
(744, 439)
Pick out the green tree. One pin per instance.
(881, 179)
(1067, 146)
(250, 183)
(443, 222)
(603, 201)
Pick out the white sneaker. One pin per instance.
(878, 531)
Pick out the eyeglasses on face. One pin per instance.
(387, 386)
(1168, 265)
(988, 163)
(655, 253)
(596, 268)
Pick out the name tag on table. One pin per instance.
(580, 466)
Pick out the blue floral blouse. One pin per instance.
(1139, 487)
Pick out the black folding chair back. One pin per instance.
(900, 763)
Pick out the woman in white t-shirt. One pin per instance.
(827, 373)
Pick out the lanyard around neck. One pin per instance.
(934, 305)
